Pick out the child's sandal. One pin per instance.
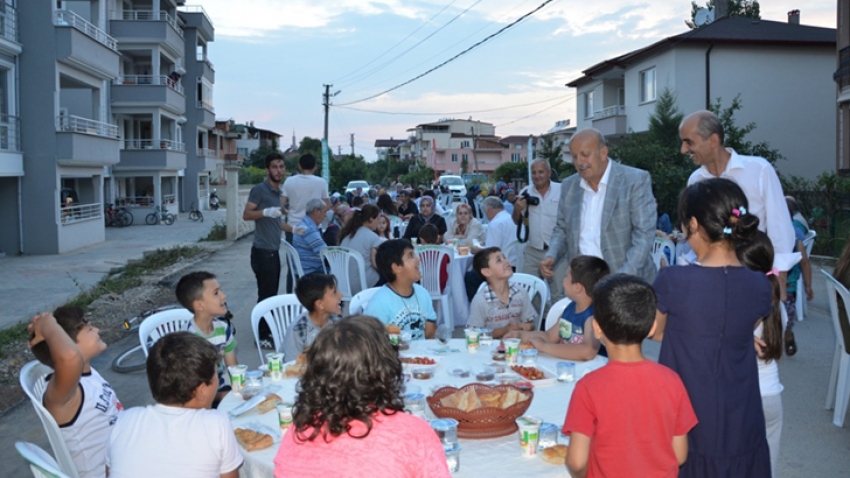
(790, 343)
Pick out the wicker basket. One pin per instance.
(486, 422)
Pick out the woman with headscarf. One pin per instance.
(427, 215)
(464, 227)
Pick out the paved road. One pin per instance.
(811, 445)
(30, 284)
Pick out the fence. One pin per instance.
(79, 212)
(828, 213)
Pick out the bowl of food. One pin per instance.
(482, 411)
(424, 372)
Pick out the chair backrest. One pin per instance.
(663, 252)
(293, 262)
(556, 311)
(479, 212)
(430, 260)
(279, 311)
(41, 463)
(513, 252)
(834, 290)
(446, 200)
(161, 323)
(32, 381)
(534, 286)
(809, 241)
(337, 261)
(361, 300)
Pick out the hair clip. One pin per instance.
(739, 211)
(727, 231)
(773, 272)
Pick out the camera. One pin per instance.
(531, 200)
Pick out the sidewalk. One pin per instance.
(31, 284)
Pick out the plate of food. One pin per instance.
(537, 375)
(414, 361)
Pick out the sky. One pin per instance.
(272, 58)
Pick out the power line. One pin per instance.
(476, 45)
(448, 114)
(571, 97)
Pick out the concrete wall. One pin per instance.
(197, 119)
(637, 113)
(9, 238)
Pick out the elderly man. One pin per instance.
(606, 210)
(541, 222)
(310, 244)
(702, 139)
(501, 233)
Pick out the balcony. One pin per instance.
(610, 120)
(207, 68)
(207, 118)
(81, 212)
(148, 26)
(144, 90)
(196, 17)
(86, 142)
(9, 31)
(842, 74)
(84, 46)
(206, 152)
(151, 154)
(11, 159)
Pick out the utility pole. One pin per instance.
(352, 145)
(326, 170)
(339, 150)
(474, 147)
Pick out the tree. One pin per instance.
(735, 8)
(257, 157)
(464, 165)
(664, 123)
(508, 171)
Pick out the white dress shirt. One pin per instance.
(761, 185)
(589, 242)
(501, 232)
(542, 218)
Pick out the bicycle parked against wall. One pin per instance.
(159, 214)
(118, 216)
(195, 214)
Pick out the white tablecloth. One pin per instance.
(494, 458)
(460, 304)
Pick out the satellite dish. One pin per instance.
(703, 17)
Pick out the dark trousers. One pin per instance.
(266, 267)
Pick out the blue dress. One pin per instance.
(708, 341)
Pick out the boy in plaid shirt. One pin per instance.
(319, 295)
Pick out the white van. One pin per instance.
(454, 184)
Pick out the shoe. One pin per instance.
(790, 343)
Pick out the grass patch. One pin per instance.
(217, 233)
(13, 334)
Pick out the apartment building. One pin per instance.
(842, 80)
(251, 138)
(11, 158)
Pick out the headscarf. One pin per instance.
(426, 219)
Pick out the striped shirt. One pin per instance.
(222, 337)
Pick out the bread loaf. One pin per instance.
(251, 440)
(269, 403)
(556, 455)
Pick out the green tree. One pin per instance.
(736, 8)
(508, 171)
(664, 123)
(257, 157)
(464, 165)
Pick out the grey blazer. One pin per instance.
(628, 221)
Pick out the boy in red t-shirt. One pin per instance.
(630, 417)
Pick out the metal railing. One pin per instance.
(9, 23)
(206, 152)
(842, 74)
(194, 9)
(67, 18)
(616, 110)
(205, 59)
(154, 144)
(10, 134)
(168, 198)
(145, 80)
(79, 212)
(134, 201)
(207, 105)
(76, 124)
(148, 16)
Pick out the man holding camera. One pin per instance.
(541, 199)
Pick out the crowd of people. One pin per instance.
(710, 407)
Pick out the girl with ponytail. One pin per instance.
(358, 233)
(706, 315)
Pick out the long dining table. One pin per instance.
(493, 458)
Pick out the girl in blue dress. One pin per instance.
(706, 315)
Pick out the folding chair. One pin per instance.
(361, 300)
(161, 323)
(279, 311)
(838, 391)
(41, 463)
(801, 303)
(430, 264)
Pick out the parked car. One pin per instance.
(453, 184)
(353, 185)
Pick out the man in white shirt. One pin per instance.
(541, 222)
(606, 210)
(298, 190)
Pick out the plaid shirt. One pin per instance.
(296, 338)
(487, 310)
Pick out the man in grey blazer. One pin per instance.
(606, 210)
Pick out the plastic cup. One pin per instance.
(471, 340)
(486, 337)
(453, 459)
(414, 240)
(548, 436)
(284, 414)
(528, 357)
(566, 371)
(463, 250)
(511, 351)
(275, 361)
(529, 435)
(237, 377)
(446, 430)
(394, 338)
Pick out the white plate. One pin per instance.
(409, 366)
(549, 378)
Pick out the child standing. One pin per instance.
(706, 315)
(319, 295)
(499, 305)
(83, 404)
(200, 293)
(601, 424)
(572, 337)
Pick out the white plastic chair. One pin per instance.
(41, 463)
(534, 286)
(556, 311)
(32, 381)
(337, 261)
(430, 260)
(395, 222)
(161, 323)
(801, 304)
(663, 252)
(279, 311)
(361, 300)
(838, 392)
(479, 212)
(292, 260)
(514, 253)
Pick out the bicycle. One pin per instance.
(195, 214)
(134, 359)
(159, 214)
(112, 216)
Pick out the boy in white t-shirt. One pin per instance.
(179, 435)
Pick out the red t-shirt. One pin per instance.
(631, 412)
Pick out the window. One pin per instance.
(205, 94)
(588, 105)
(515, 158)
(647, 85)
(464, 144)
(464, 158)
(518, 146)
(454, 157)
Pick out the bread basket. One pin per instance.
(485, 422)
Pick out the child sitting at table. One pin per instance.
(572, 337)
(401, 301)
(428, 236)
(319, 295)
(81, 401)
(179, 435)
(601, 424)
(498, 304)
(200, 293)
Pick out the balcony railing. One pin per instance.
(67, 18)
(195, 9)
(154, 144)
(79, 212)
(207, 105)
(148, 16)
(10, 135)
(9, 23)
(76, 124)
(842, 74)
(146, 80)
(206, 152)
(616, 110)
(203, 58)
